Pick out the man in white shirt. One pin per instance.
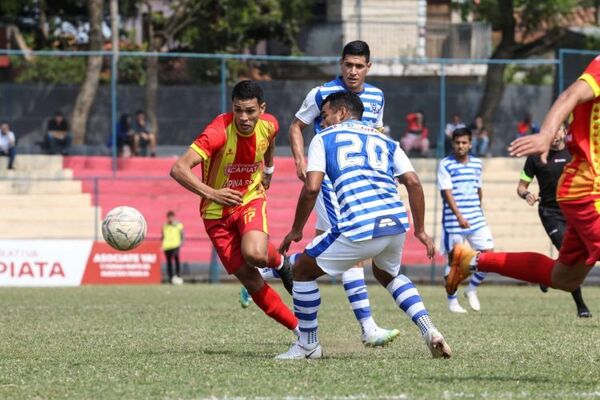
(7, 143)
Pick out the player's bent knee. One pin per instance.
(255, 258)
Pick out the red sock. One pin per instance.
(273, 257)
(269, 301)
(529, 267)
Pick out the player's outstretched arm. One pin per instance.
(297, 144)
(183, 174)
(416, 199)
(579, 92)
(306, 203)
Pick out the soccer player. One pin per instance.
(552, 218)
(236, 153)
(459, 181)
(362, 165)
(355, 64)
(578, 196)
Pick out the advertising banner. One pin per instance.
(76, 262)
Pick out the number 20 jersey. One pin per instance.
(362, 164)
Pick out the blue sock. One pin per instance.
(307, 300)
(356, 291)
(407, 297)
(476, 280)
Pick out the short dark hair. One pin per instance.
(248, 90)
(139, 112)
(170, 213)
(59, 114)
(346, 99)
(357, 48)
(462, 132)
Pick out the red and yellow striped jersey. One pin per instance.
(233, 160)
(580, 178)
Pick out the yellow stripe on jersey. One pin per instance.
(200, 152)
(589, 79)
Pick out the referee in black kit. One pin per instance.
(552, 218)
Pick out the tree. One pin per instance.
(87, 90)
(218, 26)
(533, 15)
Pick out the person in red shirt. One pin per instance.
(236, 153)
(578, 195)
(416, 134)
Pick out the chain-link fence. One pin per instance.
(191, 89)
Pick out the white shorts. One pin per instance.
(481, 239)
(335, 254)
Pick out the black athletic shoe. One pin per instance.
(285, 273)
(544, 289)
(584, 313)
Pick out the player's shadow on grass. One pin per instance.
(516, 379)
(235, 353)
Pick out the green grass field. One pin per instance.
(196, 342)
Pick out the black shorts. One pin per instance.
(554, 223)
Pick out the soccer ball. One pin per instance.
(124, 228)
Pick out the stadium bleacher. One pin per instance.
(53, 197)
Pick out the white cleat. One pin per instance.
(176, 280)
(471, 295)
(297, 352)
(437, 344)
(379, 337)
(455, 307)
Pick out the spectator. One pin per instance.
(416, 135)
(124, 135)
(8, 144)
(58, 136)
(481, 139)
(455, 123)
(526, 126)
(144, 136)
(172, 239)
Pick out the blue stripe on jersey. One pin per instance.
(330, 201)
(380, 212)
(372, 99)
(465, 182)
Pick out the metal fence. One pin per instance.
(193, 88)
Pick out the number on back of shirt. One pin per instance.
(351, 154)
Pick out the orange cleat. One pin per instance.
(459, 267)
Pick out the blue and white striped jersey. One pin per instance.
(361, 163)
(464, 180)
(372, 99)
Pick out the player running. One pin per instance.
(460, 180)
(355, 64)
(362, 165)
(578, 195)
(552, 218)
(236, 153)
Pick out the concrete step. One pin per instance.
(36, 174)
(31, 162)
(57, 214)
(51, 230)
(40, 187)
(46, 200)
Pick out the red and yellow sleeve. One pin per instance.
(273, 125)
(211, 139)
(591, 76)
